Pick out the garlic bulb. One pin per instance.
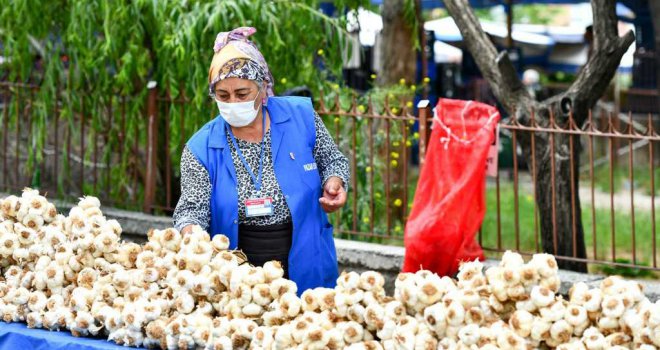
(545, 264)
(272, 269)
(88, 202)
(184, 303)
(290, 305)
(220, 242)
(356, 313)
(309, 300)
(348, 280)
(469, 335)
(326, 298)
(593, 339)
(542, 297)
(430, 292)
(613, 306)
(455, 314)
(512, 259)
(106, 242)
(37, 301)
(370, 280)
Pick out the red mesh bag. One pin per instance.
(449, 204)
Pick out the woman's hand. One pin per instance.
(334, 195)
(186, 230)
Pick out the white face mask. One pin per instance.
(238, 114)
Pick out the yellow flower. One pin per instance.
(335, 86)
(395, 144)
(365, 220)
(336, 119)
(397, 228)
(402, 81)
(319, 52)
(283, 80)
(408, 143)
(416, 135)
(529, 198)
(397, 202)
(413, 87)
(373, 76)
(409, 104)
(394, 155)
(394, 163)
(411, 122)
(367, 169)
(395, 110)
(427, 80)
(362, 108)
(377, 195)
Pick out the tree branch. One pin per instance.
(595, 76)
(510, 78)
(605, 22)
(654, 6)
(497, 70)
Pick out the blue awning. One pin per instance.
(431, 4)
(624, 13)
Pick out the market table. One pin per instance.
(15, 336)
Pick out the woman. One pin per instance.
(264, 172)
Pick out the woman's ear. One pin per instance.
(264, 90)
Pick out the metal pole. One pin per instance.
(509, 23)
(423, 109)
(152, 151)
(422, 45)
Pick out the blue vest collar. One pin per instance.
(217, 134)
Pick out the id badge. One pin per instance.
(258, 207)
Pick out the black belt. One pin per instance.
(265, 243)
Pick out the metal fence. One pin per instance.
(615, 183)
(69, 156)
(130, 159)
(385, 144)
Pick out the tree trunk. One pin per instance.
(560, 234)
(654, 6)
(398, 59)
(558, 201)
(397, 52)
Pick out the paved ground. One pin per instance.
(621, 199)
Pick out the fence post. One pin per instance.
(423, 110)
(152, 149)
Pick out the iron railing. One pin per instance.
(611, 193)
(385, 143)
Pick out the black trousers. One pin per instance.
(265, 243)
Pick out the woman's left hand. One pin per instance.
(334, 195)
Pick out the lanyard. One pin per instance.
(256, 180)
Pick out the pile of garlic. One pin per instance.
(183, 292)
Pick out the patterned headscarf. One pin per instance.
(237, 57)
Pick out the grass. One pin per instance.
(623, 240)
(621, 179)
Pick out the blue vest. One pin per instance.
(312, 259)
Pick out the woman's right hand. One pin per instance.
(187, 229)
